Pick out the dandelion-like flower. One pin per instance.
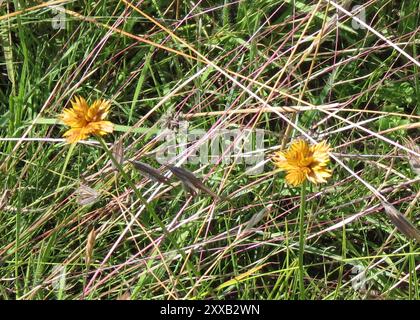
(85, 120)
(302, 162)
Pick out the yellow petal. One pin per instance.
(80, 106)
(320, 152)
(302, 161)
(75, 134)
(319, 175)
(295, 177)
(107, 126)
(98, 111)
(281, 162)
(300, 146)
(85, 121)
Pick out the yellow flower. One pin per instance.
(85, 121)
(302, 162)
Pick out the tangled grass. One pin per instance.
(79, 222)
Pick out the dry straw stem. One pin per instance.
(122, 32)
(379, 35)
(291, 109)
(200, 58)
(227, 73)
(265, 103)
(40, 6)
(295, 109)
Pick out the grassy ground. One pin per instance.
(166, 62)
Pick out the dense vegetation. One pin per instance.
(73, 226)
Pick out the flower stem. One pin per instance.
(66, 162)
(302, 240)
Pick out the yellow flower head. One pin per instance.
(302, 162)
(85, 121)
